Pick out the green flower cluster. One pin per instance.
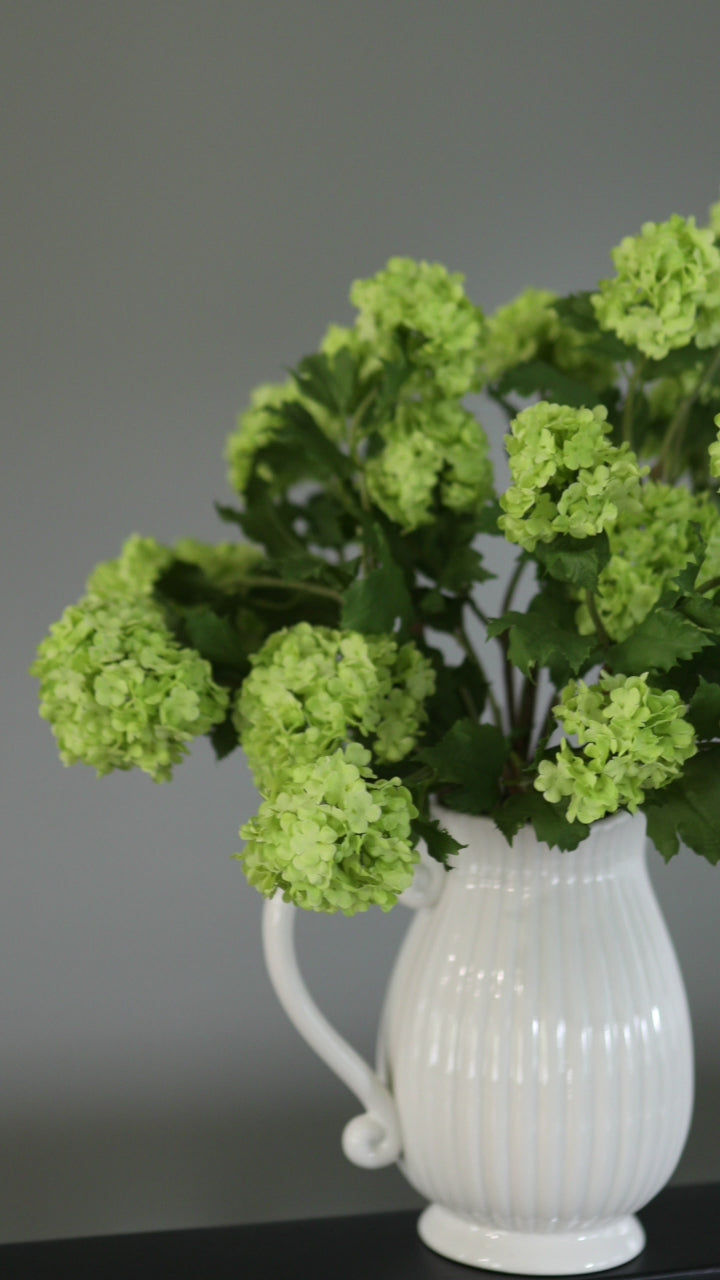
(634, 739)
(529, 326)
(516, 332)
(667, 289)
(132, 573)
(430, 303)
(650, 545)
(118, 689)
(311, 688)
(337, 839)
(568, 476)
(434, 450)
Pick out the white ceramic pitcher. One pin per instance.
(535, 1073)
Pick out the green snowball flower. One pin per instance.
(401, 480)
(336, 838)
(667, 289)
(312, 688)
(120, 692)
(633, 739)
(435, 455)
(406, 681)
(568, 476)
(431, 304)
(650, 545)
(517, 331)
(339, 337)
(133, 573)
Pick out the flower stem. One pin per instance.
(290, 584)
(520, 564)
(463, 640)
(594, 612)
(676, 429)
(526, 716)
(633, 385)
(545, 729)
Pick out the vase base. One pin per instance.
(530, 1253)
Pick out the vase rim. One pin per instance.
(620, 817)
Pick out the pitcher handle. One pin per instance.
(371, 1140)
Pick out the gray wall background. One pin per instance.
(188, 190)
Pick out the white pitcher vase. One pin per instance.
(535, 1066)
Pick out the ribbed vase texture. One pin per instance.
(536, 1035)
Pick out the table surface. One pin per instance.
(682, 1225)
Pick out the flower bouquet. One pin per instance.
(341, 638)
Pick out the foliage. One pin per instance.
(341, 639)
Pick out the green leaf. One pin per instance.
(546, 636)
(704, 709)
(440, 844)
(579, 561)
(301, 435)
(328, 522)
(548, 820)
(373, 604)
(329, 381)
(473, 756)
(443, 613)
(185, 584)
(303, 566)
(215, 639)
(685, 677)
(688, 809)
(486, 520)
(683, 583)
(463, 568)
(658, 643)
(266, 521)
(454, 686)
(224, 738)
(701, 611)
(384, 387)
(538, 377)
(577, 311)
(230, 515)
(675, 362)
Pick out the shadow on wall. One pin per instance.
(107, 1174)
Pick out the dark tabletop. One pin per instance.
(682, 1225)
